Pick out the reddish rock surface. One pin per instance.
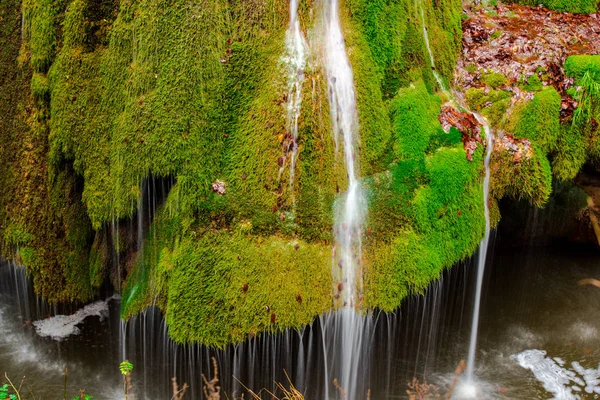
(466, 123)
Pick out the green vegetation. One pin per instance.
(494, 79)
(533, 83)
(577, 66)
(578, 141)
(414, 114)
(538, 120)
(528, 177)
(444, 225)
(100, 97)
(426, 211)
(571, 6)
(491, 103)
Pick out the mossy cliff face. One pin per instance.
(100, 97)
(570, 6)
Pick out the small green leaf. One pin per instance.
(126, 367)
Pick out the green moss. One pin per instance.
(414, 114)
(576, 66)
(571, 6)
(390, 196)
(572, 155)
(39, 87)
(197, 277)
(496, 34)
(400, 268)
(528, 178)
(14, 87)
(41, 22)
(533, 84)
(368, 64)
(446, 224)
(491, 103)
(581, 141)
(17, 235)
(538, 119)
(494, 79)
(98, 259)
(276, 273)
(316, 169)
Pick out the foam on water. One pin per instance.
(557, 378)
(60, 327)
(465, 391)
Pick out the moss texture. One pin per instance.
(571, 6)
(538, 119)
(578, 142)
(98, 97)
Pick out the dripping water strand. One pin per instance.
(345, 332)
(295, 59)
(350, 214)
(483, 246)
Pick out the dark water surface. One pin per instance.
(531, 303)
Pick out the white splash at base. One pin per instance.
(557, 378)
(60, 327)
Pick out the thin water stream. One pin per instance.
(531, 304)
(469, 390)
(295, 60)
(346, 332)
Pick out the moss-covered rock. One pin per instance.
(538, 120)
(576, 66)
(99, 97)
(491, 103)
(571, 6)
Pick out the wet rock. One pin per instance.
(519, 148)
(466, 123)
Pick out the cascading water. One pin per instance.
(483, 247)
(469, 390)
(295, 59)
(437, 76)
(346, 331)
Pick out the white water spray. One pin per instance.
(483, 246)
(346, 331)
(351, 212)
(295, 59)
(60, 327)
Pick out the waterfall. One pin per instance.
(295, 59)
(345, 332)
(350, 213)
(483, 246)
(436, 75)
(469, 391)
